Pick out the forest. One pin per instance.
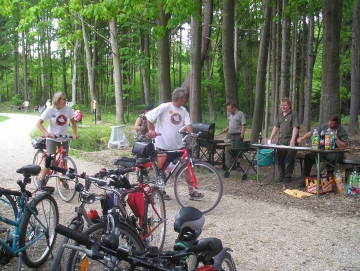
(128, 54)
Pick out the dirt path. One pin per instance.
(266, 229)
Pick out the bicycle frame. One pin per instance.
(146, 190)
(58, 160)
(22, 206)
(190, 167)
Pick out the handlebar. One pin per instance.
(94, 246)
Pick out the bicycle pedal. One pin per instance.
(48, 189)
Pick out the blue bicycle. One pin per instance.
(27, 228)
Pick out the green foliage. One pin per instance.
(16, 100)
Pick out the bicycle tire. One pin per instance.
(65, 187)
(209, 184)
(38, 160)
(9, 210)
(58, 263)
(77, 260)
(152, 220)
(47, 212)
(225, 262)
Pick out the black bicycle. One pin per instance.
(189, 253)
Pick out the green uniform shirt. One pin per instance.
(287, 124)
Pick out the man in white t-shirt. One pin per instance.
(26, 106)
(170, 117)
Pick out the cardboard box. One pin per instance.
(327, 182)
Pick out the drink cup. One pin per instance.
(269, 142)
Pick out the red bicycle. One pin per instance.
(197, 184)
(65, 187)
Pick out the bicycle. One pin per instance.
(150, 225)
(189, 253)
(65, 187)
(192, 178)
(148, 221)
(27, 230)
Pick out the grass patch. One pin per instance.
(3, 118)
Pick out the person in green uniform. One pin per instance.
(287, 122)
(341, 141)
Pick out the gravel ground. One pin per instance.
(265, 234)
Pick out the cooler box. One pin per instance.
(240, 144)
(265, 157)
(327, 182)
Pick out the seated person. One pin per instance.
(78, 116)
(341, 140)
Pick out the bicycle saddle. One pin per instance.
(189, 217)
(125, 161)
(29, 169)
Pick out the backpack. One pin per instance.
(144, 128)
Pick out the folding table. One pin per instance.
(239, 152)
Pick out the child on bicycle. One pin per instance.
(170, 117)
(58, 115)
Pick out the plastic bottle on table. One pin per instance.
(332, 140)
(315, 140)
(327, 140)
(260, 138)
(322, 140)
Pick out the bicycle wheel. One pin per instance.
(9, 210)
(65, 187)
(155, 219)
(209, 185)
(38, 222)
(77, 260)
(224, 261)
(38, 160)
(58, 263)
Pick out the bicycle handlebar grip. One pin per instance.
(78, 236)
(205, 244)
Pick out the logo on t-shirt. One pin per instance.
(61, 120)
(176, 118)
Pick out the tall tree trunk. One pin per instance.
(355, 70)
(274, 66)
(284, 51)
(63, 59)
(74, 77)
(24, 51)
(302, 70)
(164, 58)
(294, 64)
(145, 69)
(206, 37)
(261, 72)
(210, 89)
(117, 71)
(89, 67)
(231, 91)
(309, 73)
(330, 88)
(195, 66)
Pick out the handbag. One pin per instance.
(143, 148)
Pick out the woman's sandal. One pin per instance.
(166, 196)
(196, 194)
